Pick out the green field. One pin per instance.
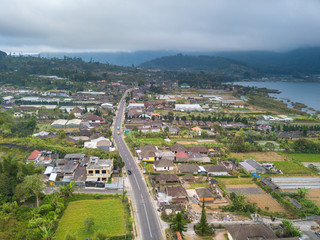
(108, 215)
(292, 168)
(198, 185)
(305, 157)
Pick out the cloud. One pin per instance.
(203, 25)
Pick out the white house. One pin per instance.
(163, 165)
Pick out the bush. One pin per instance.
(88, 224)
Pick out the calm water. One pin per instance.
(303, 92)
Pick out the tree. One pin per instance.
(202, 228)
(302, 192)
(71, 116)
(67, 190)
(100, 236)
(70, 237)
(289, 230)
(31, 186)
(179, 223)
(88, 223)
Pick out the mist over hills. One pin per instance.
(298, 61)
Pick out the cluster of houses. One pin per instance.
(171, 189)
(86, 171)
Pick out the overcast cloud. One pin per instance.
(128, 25)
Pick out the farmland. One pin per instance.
(259, 156)
(265, 201)
(108, 215)
(234, 181)
(291, 168)
(305, 157)
(314, 195)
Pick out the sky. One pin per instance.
(31, 26)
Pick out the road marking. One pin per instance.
(137, 182)
(145, 209)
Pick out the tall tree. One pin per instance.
(179, 223)
(31, 186)
(203, 228)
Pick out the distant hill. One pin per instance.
(210, 64)
(116, 58)
(303, 60)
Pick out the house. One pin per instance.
(77, 112)
(69, 170)
(99, 169)
(204, 195)
(95, 120)
(182, 156)
(176, 194)
(217, 170)
(188, 168)
(268, 181)
(34, 156)
(247, 167)
(199, 149)
(149, 153)
(167, 179)
(178, 148)
(189, 178)
(167, 155)
(100, 142)
(74, 157)
(258, 168)
(163, 165)
(197, 130)
(194, 156)
(249, 231)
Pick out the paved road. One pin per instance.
(148, 221)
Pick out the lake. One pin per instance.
(303, 92)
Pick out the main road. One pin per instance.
(148, 221)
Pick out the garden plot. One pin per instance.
(245, 190)
(314, 195)
(265, 202)
(256, 195)
(259, 156)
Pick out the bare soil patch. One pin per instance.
(260, 156)
(314, 195)
(265, 201)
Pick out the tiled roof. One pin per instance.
(34, 155)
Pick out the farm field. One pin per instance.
(234, 181)
(293, 169)
(305, 157)
(259, 156)
(197, 185)
(264, 201)
(314, 195)
(108, 215)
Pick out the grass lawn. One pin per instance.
(305, 157)
(108, 215)
(234, 181)
(292, 168)
(154, 141)
(198, 185)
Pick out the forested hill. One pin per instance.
(303, 60)
(210, 64)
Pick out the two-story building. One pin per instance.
(99, 170)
